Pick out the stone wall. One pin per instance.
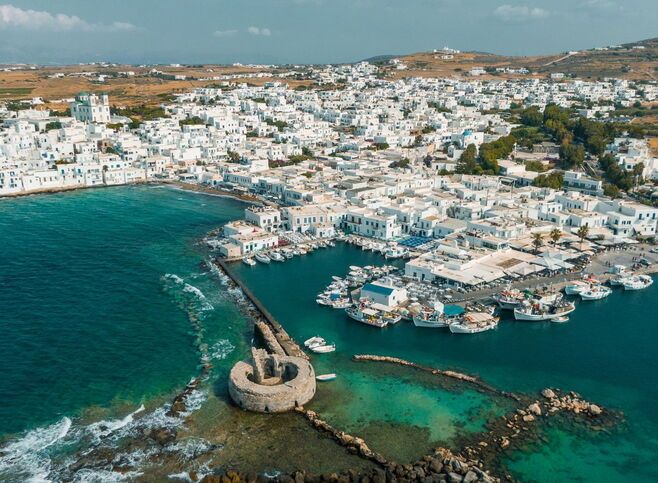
(289, 384)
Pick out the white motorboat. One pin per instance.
(277, 257)
(326, 377)
(288, 253)
(596, 292)
(637, 282)
(323, 349)
(314, 342)
(261, 257)
(249, 261)
(474, 323)
(536, 312)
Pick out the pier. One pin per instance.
(271, 332)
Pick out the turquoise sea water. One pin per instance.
(104, 307)
(607, 352)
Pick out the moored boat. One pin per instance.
(261, 257)
(637, 282)
(474, 323)
(314, 341)
(536, 311)
(596, 292)
(323, 349)
(249, 261)
(366, 316)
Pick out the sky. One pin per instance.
(308, 31)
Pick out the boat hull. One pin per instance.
(523, 316)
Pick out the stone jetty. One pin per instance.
(279, 377)
(446, 373)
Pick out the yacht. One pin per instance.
(249, 261)
(536, 311)
(366, 316)
(637, 282)
(474, 322)
(596, 292)
(261, 257)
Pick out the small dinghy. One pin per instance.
(326, 377)
(560, 320)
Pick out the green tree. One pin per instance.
(552, 180)
(555, 235)
(571, 155)
(537, 241)
(582, 233)
(467, 163)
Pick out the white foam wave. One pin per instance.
(220, 350)
(87, 475)
(105, 428)
(26, 457)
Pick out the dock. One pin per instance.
(267, 327)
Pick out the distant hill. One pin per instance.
(636, 60)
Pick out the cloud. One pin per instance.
(601, 4)
(265, 32)
(225, 33)
(519, 13)
(14, 17)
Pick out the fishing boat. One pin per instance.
(323, 349)
(249, 261)
(509, 299)
(366, 316)
(261, 257)
(637, 282)
(596, 292)
(431, 318)
(314, 341)
(326, 377)
(474, 323)
(277, 257)
(536, 311)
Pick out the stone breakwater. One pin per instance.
(450, 374)
(267, 328)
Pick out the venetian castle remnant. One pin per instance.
(271, 383)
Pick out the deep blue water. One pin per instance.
(87, 317)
